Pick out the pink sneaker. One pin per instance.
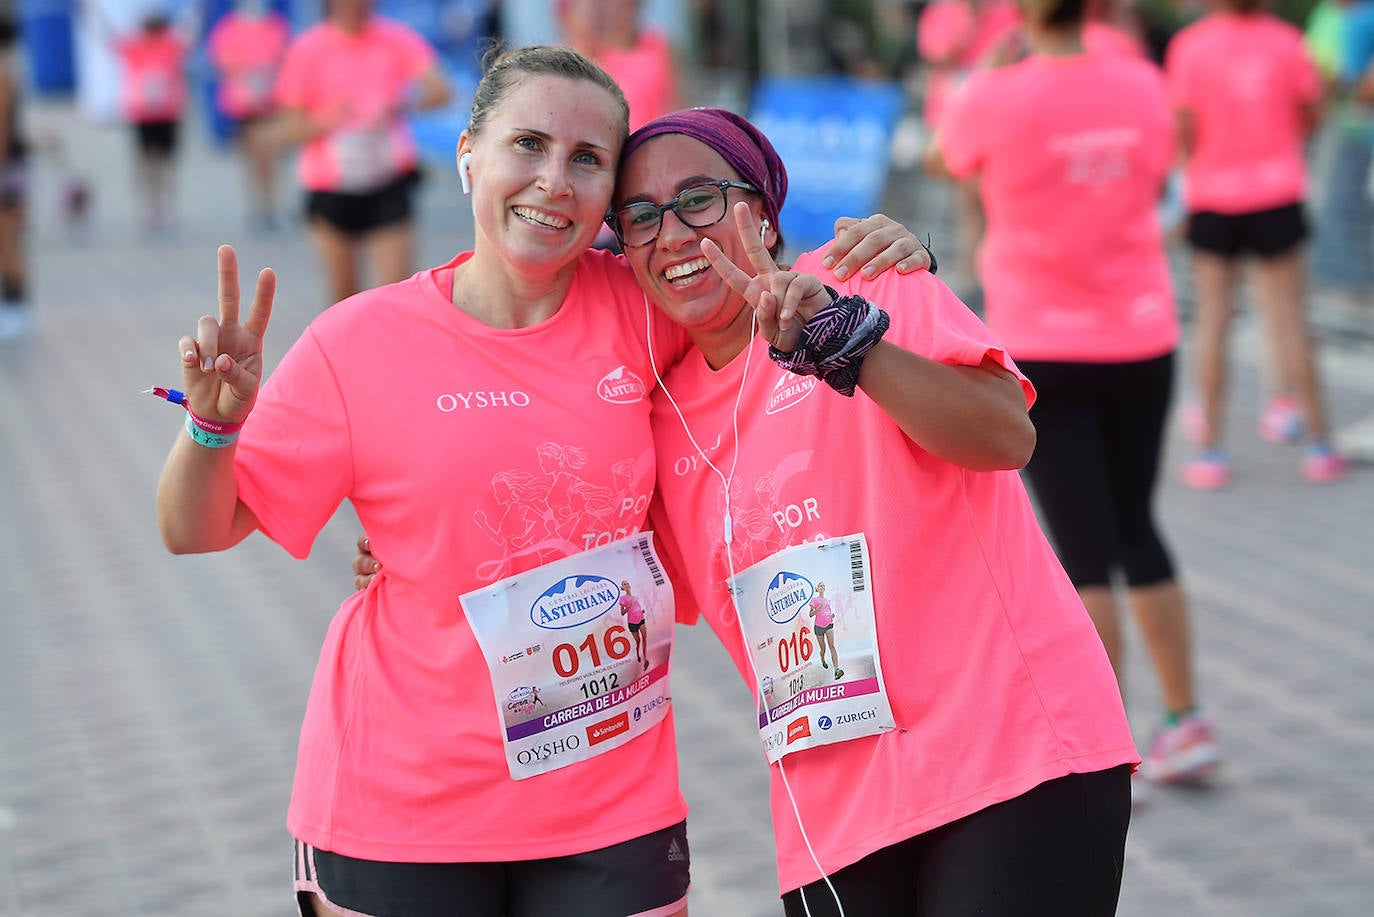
(1183, 752)
(1208, 470)
(1281, 420)
(1322, 464)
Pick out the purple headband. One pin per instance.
(739, 143)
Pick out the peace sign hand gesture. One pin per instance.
(221, 367)
(782, 300)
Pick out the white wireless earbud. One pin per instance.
(464, 179)
(763, 229)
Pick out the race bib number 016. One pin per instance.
(807, 614)
(578, 653)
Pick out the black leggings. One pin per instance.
(1099, 429)
(1057, 849)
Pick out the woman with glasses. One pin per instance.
(983, 767)
(1071, 151)
(489, 421)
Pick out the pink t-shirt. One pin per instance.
(996, 676)
(154, 84)
(359, 82)
(247, 51)
(645, 74)
(1104, 38)
(1072, 154)
(1245, 79)
(632, 608)
(469, 454)
(954, 37)
(822, 613)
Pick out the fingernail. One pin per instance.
(208, 364)
(827, 262)
(841, 272)
(870, 271)
(189, 356)
(376, 566)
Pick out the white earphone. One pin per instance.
(464, 179)
(762, 230)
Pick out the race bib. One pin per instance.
(807, 614)
(573, 673)
(366, 158)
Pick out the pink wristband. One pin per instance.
(212, 426)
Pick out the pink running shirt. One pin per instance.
(645, 74)
(1104, 38)
(247, 51)
(824, 616)
(1245, 79)
(469, 454)
(954, 37)
(1072, 154)
(357, 82)
(632, 608)
(996, 675)
(154, 80)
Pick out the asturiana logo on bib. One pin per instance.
(788, 392)
(621, 386)
(787, 594)
(574, 601)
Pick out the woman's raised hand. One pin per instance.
(221, 366)
(783, 300)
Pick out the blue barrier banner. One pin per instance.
(834, 135)
(47, 36)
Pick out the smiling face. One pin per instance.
(542, 170)
(671, 269)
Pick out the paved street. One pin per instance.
(149, 705)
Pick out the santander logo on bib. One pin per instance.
(788, 392)
(574, 601)
(621, 386)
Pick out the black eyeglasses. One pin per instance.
(701, 205)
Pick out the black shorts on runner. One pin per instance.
(358, 214)
(824, 629)
(634, 628)
(1265, 233)
(644, 877)
(157, 137)
(1056, 850)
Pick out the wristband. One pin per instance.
(834, 342)
(208, 439)
(211, 426)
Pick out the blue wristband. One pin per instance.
(206, 438)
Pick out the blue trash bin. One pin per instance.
(46, 28)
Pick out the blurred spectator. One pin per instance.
(638, 57)
(1072, 150)
(246, 47)
(153, 96)
(345, 89)
(1247, 94)
(1343, 249)
(14, 304)
(954, 37)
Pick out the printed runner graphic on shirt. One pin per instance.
(807, 616)
(558, 508)
(578, 653)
